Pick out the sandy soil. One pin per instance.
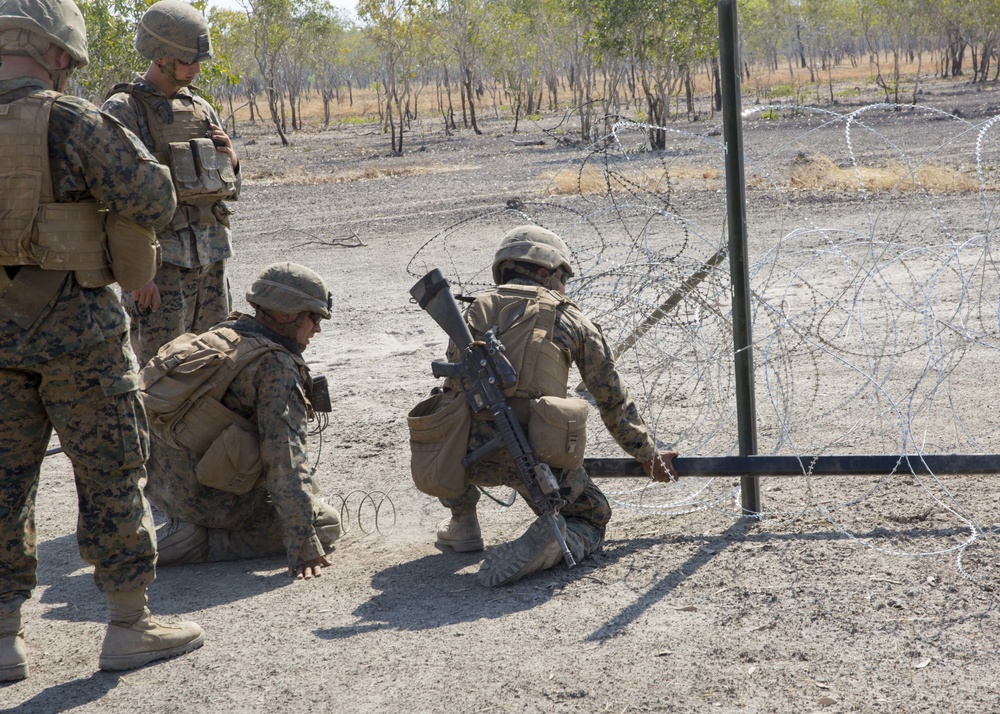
(853, 594)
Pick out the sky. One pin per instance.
(349, 6)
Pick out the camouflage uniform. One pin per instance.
(587, 511)
(192, 278)
(74, 370)
(283, 513)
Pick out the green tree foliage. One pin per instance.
(110, 29)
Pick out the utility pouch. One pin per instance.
(133, 249)
(557, 431)
(232, 463)
(439, 440)
(183, 171)
(201, 173)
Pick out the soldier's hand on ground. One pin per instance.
(310, 570)
(661, 467)
(222, 142)
(147, 297)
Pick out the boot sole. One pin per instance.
(14, 673)
(512, 561)
(461, 546)
(118, 663)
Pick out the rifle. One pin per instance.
(484, 373)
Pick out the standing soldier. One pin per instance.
(190, 292)
(75, 187)
(544, 332)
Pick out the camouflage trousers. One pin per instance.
(192, 300)
(239, 525)
(587, 511)
(90, 398)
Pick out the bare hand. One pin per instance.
(309, 570)
(147, 297)
(661, 467)
(222, 142)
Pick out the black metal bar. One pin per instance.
(831, 465)
(736, 218)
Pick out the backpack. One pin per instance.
(183, 385)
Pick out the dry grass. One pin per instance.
(365, 102)
(591, 181)
(815, 172)
(302, 176)
(819, 172)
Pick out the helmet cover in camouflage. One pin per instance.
(532, 244)
(290, 288)
(175, 30)
(59, 22)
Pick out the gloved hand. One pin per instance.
(661, 467)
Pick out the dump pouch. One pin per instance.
(439, 440)
(133, 249)
(557, 431)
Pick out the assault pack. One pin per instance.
(182, 388)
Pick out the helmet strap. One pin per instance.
(169, 69)
(288, 330)
(24, 43)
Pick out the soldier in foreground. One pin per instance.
(65, 360)
(232, 473)
(543, 332)
(190, 292)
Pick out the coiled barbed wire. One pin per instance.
(874, 317)
(371, 511)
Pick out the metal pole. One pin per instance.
(732, 130)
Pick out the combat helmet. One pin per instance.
(290, 288)
(174, 29)
(30, 27)
(532, 244)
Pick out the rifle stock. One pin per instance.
(484, 372)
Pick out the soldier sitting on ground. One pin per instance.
(228, 455)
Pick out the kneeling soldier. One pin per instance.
(543, 332)
(228, 412)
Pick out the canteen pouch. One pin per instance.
(439, 440)
(133, 250)
(232, 463)
(557, 431)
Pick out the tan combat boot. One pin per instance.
(536, 549)
(181, 543)
(461, 532)
(13, 654)
(134, 638)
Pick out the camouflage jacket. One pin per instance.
(584, 344)
(92, 156)
(196, 245)
(272, 392)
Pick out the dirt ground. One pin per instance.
(853, 594)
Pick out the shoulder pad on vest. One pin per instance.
(121, 88)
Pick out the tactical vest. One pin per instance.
(524, 318)
(202, 175)
(183, 385)
(34, 229)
